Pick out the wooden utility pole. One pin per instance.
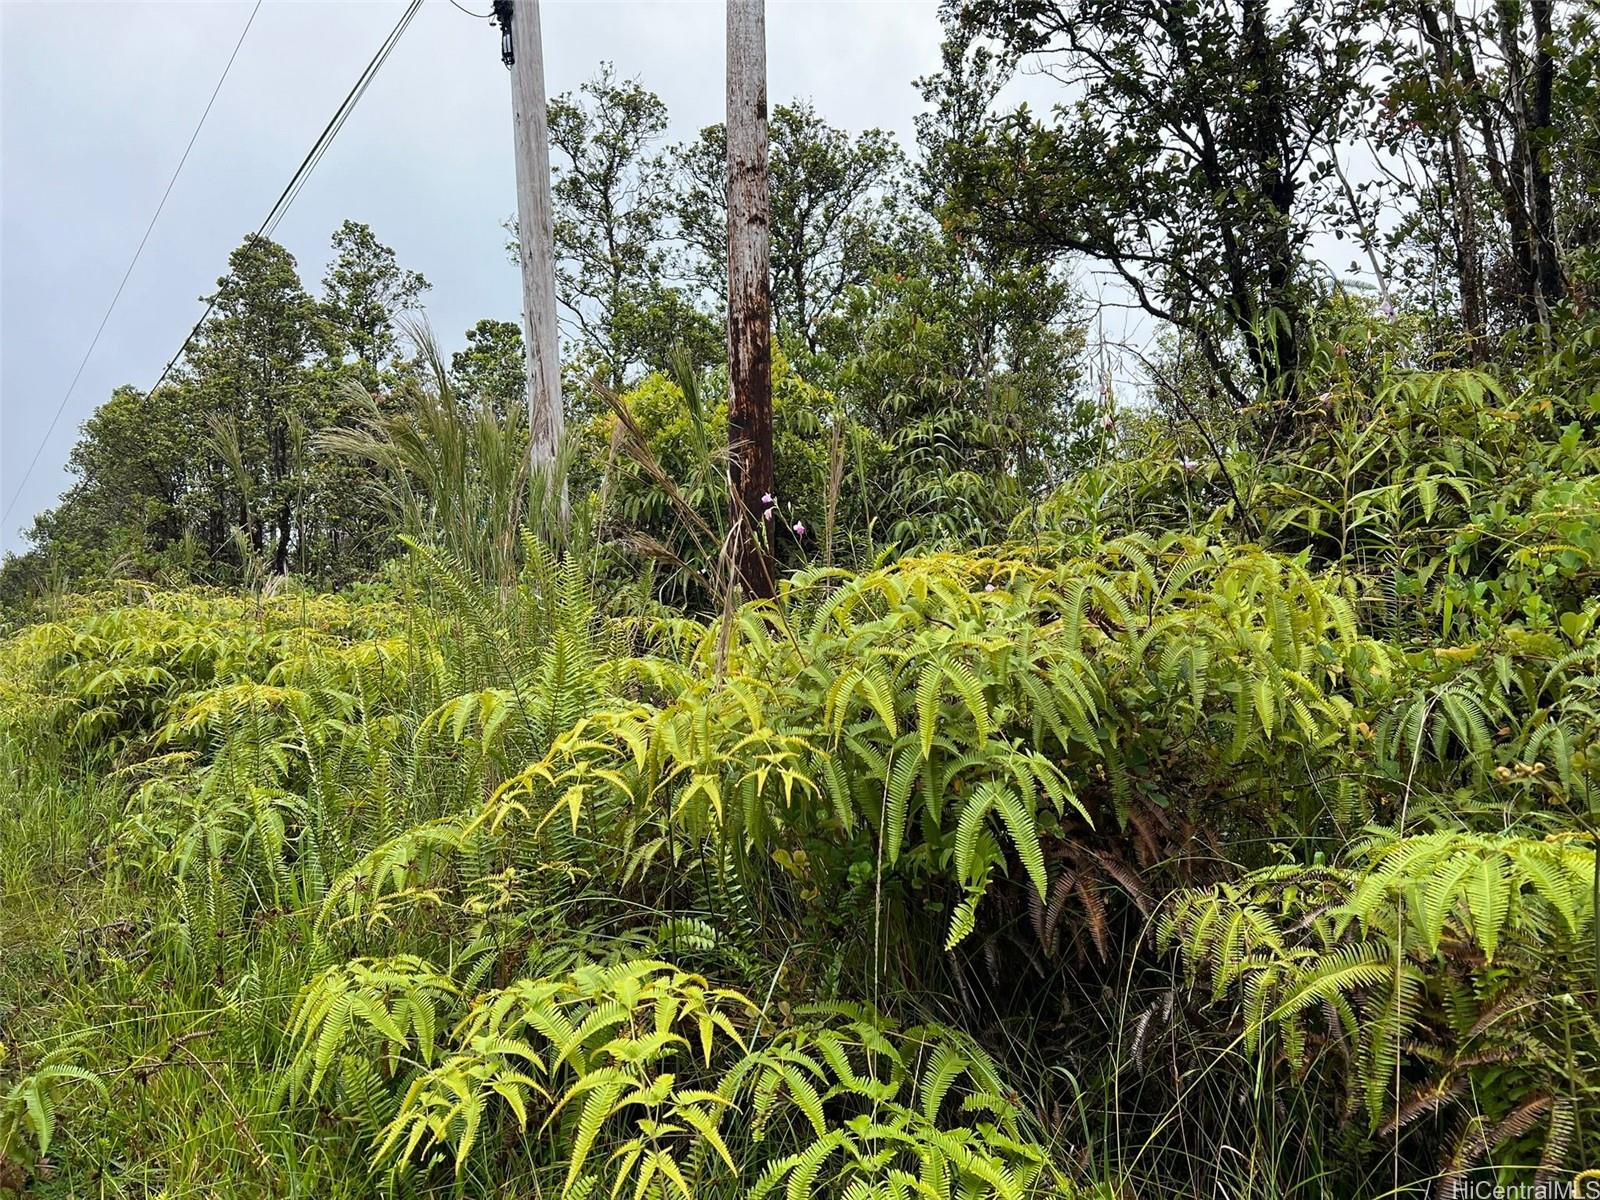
(749, 298)
(521, 50)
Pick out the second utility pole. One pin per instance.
(521, 50)
(749, 300)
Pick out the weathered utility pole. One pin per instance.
(521, 51)
(749, 298)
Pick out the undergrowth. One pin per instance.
(1230, 830)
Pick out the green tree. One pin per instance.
(166, 479)
(248, 374)
(341, 521)
(834, 207)
(971, 377)
(133, 460)
(611, 198)
(1498, 109)
(363, 291)
(963, 358)
(492, 370)
(125, 510)
(1191, 158)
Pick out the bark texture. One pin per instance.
(536, 237)
(749, 297)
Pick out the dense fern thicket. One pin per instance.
(1229, 830)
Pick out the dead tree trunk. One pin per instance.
(749, 298)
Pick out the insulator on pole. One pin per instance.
(502, 17)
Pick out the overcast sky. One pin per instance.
(97, 101)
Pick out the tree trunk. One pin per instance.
(1469, 263)
(1506, 180)
(749, 297)
(280, 554)
(1541, 136)
(1521, 164)
(536, 240)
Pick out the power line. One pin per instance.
(308, 164)
(269, 224)
(337, 123)
(133, 262)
